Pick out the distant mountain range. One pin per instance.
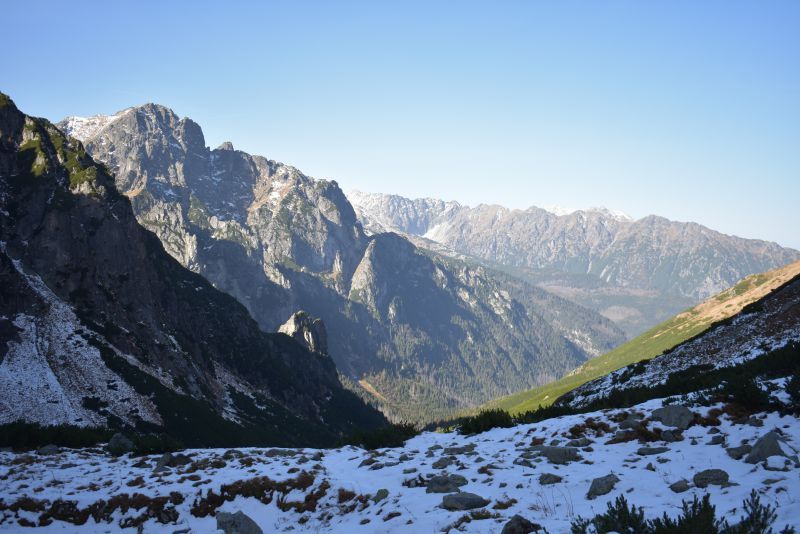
(418, 333)
(635, 272)
(100, 327)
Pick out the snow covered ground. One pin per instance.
(353, 490)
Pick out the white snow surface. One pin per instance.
(86, 476)
(83, 128)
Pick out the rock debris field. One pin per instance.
(537, 475)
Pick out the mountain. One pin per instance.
(99, 326)
(637, 273)
(658, 340)
(418, 333)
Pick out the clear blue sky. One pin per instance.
(689, 110)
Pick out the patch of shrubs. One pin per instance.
(23, 436)
(697, 516)
(155, 444)
(793, 390)
(746, 393)
(394, 435)
(486, 420)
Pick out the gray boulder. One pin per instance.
(380, 495)
(557, 455)
(445, 484)
(648, 451)
(48, 450)
(674, 415)
(119, 445)
(679, 486)
(737, 453)
(767, 445)
(463, 501)
(237, 523)
(442, 462)
(466, 449)
(715, 477)
(602, 486)
(519, 525)
(549, 478)
(580, 442)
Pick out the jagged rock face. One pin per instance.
(423, 334)
(310, 332)
(98, 320)
(650, 259)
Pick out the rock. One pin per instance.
(719, 439)
(172, 460)
(549, 478)
(48, 450)
(466, 449)
(237, 523)
(650, 467)
(648, 451)
(442, 462)
(309, 332)
(557, 455)
(670, 436)
(367, 462)
(519, 525)
(445, 484)
(737, 453)
(715, 477)
(679, 486)
(632, 422)
(380, 495)
(580, 442)
(463, 501)
(674, 415)
(119, 445)
(766, 446)
(755, 421)
(777, 463)
(602, 486)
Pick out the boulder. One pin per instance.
(465, 449)
(674, 415)
(463, 501)
(237, 523)
(602, 486)
(442, 462)
(48, 450)
(445, 484)
(580, 442)
(549, 478)
(119, 445)
(519, 525)
(172, 460)
(380, 495)
(737, 453)
(557, 455)
(679, 486)
(648, 451)
(715, 477)
(767, 445)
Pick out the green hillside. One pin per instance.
(656, 340)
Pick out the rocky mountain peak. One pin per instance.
(309, 331)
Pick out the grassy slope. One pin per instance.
(656, 340)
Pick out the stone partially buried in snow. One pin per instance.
(557, 455)
(674, 415)
(767, 445)
(463, 501)
(237, 523)
(549, 478)
(602, 486)
(679, 486)
(737, 453)
(445, 484)
(119, 445)
(715, 477)
(519, 525)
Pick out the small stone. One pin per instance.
(463, 501)
(719, 439)
(549, 478)
(670, 436)
(445, 484)
(237, 523)
(650, 467)
(557, 455)
(442, 462)
(716, 477)
(679, 486)
(755, 421)
(380, 495)
(580, 442)
(601, 486)
(460, 450)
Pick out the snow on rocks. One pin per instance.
(335, 490)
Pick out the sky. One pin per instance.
(685, 109)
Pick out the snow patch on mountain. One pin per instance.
(83, 128)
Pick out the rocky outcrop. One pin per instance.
(310, 332)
